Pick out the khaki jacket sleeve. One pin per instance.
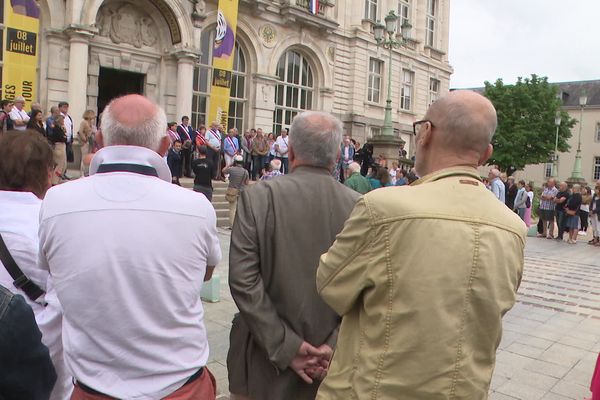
(343, 271)
(248, 290)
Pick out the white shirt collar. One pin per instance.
(131, 155)
(19, 197)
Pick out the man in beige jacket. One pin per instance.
(423, 274)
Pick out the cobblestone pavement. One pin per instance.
(551, 337)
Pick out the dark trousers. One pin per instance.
(560, 220)
(213, 156)
(284, 165)
(584, 217)
(205, 190)
(540, 225)
(258, 163)
(186, 155)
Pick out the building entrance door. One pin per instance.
(115, 82)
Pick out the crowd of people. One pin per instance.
(339, 293)
(568, 209)
(57, 127)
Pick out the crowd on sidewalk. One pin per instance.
(339, 294)
(562, 208)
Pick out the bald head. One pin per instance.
(456, 131)
(465, 120)
(133, 120)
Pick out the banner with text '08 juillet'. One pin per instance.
(223, 53)
(20, 51)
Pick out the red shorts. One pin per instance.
(202, 388)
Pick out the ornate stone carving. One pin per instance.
(126, 23)
(268, 35)
(331, 53)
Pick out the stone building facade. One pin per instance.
(588, 118)
(287, 59)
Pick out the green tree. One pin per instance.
(526, 131)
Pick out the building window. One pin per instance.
(403, 13)
(371, 10)
(295, 92)
(237, 99)
(374, 131)
(375, 77)
(598, 132)
(406, 92)
(434, 90)
(596, 168)
(203, 80)
(548, 170)
(431, 23)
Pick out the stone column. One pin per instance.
(264, 102)
(185, 81)
(78, 73)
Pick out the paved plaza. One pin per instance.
(551, 337)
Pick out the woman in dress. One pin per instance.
(529, 190)
(572, 214)
(87, 129)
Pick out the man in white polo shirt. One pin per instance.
(133, 320)
(18, 114)
(281, 150)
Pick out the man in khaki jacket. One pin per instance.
(423, 274)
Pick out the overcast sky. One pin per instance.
(492, 39)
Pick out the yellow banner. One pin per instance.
(20, 53)
(223, 53)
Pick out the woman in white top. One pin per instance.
(26, 170)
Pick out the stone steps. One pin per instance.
(218, 201)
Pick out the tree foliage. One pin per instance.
(526, 129)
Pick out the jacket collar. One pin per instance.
(448, 172)
(131, 155)
(310, 169)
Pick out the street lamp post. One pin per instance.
(557, 121)
(385, 36)
(577, 175)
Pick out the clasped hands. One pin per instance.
(312, 362)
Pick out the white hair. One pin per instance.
(147, 134)
(275, 164)
(354, 167)
(315, 138)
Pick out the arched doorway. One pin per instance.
(127, 55)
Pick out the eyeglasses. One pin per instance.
(418, 123)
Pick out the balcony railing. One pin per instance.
(306, 4)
